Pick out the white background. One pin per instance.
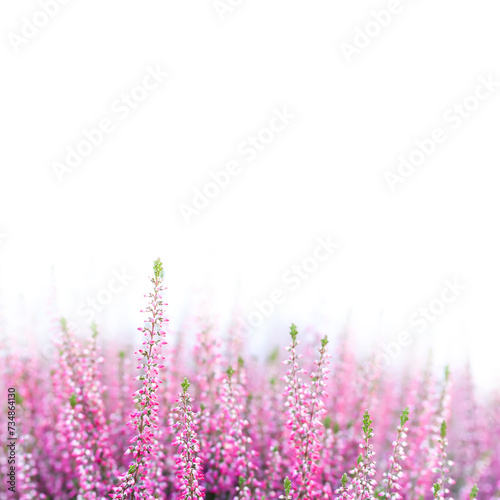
(323, 175)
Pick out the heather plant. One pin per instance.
(305, 427)
(139, 482)
(236, 450)
(82, 423)
(440, 486)
(309, 445)
(392, 478)
(189, 465)
(287, 484)
(295, 394)
(365, 470)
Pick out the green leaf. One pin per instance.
(474, 492)
(18, 398)
(185, 385)
(344, 480)
(72, 400)
(158, 269)
(367, 422)
(404, 416)
(288, 486)
(443, 429)
(274, 355)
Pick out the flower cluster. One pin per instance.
(189, 465)
(308, 464)
(257, 430)
(392, 478)
(363, 483)
(82, 425)
(440, 486)
(139, 482)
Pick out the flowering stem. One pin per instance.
(310, 437)
(397, 454)
(189, 472)
(365, 464)
(144, 446)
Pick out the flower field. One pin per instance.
(171, 422)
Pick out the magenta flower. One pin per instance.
(295, 396)
(309, 450)
(235, 433)
(82, 422)
(305, 410)
(189, 465)
(440, 486)
(392, 478)
(139, 482)
(362, 482)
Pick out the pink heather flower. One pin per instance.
(365, 469)
(26, 475)
(305, 408)
(242, 434)
(294, 396)
(82, 421)
(137, 483)
(237, 458)
(189, 465)
(440, 486)
(309, 446)
(27, 429)
(391, 478)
